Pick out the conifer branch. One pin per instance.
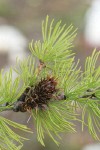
(51, 90)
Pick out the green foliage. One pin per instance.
(56, 45)
(91, 80)
(53, 57)
(9, 89)
(54, 120)
(9, 92)
(25, 69)
(8, 138)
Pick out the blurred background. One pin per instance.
(20, 22)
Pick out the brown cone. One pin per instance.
(38, 96)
